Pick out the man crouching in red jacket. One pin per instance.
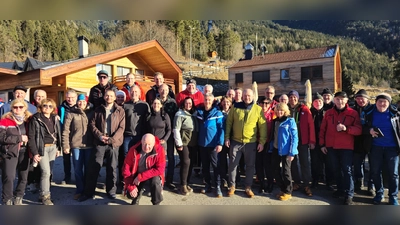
(144, 166)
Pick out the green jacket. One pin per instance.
(246, 124)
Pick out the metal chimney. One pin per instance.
(83, 46)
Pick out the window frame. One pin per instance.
(312, 73)
(288, 74)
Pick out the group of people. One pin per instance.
(281, 140)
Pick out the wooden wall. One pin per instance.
(294, 83)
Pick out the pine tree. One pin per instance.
(347, 84)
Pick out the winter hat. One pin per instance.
(191, 81)
(327, 91)
(341, 94)
(295, 93)
(361, 93)
(20, 87)
(317, 96)
(105, 72)
(121, 93)
(82, 97)
(384, 96)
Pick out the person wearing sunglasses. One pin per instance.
(19, 92)
(45, 143)
(96, 94)
(14, 153)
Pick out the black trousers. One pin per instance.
(171, 159)
(8, 175)
(95, 164)
(67, 166)
(264, 166)
(283, 176)
(155, 190)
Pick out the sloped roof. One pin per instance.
(36, 64)
(298, 55)
(149, 51)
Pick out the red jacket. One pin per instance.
(197, 97)
(155, 164)
(330, 137)
(306, 127)
(127, 89)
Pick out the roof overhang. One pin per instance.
(148, 51)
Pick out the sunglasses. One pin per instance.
(18, 107)
(47, 106)
(103, 77)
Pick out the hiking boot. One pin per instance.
(231, 191)
(371, 192)
(189, 188)
(170, 186)
(8, 202)
(281, 193)
(219, 192)
(206, 189)
(393, 201)
(46, 200)
(295, 187)
(377, 200)
(348, 201)
(18, 201)
(308, 191)
(249, 192)
(185, 190)
(285, 197)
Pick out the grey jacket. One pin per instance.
(185, 128)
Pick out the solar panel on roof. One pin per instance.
(329, 52)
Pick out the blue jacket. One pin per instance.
(211, 127)
(288, 138)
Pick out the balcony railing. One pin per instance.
(143, 78)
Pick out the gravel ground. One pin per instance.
(63, 195)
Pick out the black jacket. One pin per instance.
(360, 143)
(96, 95)
(37, 130)
(153, 94)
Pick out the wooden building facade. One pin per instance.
(143, 60)
(289, 71)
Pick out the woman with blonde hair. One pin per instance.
(284, 147)
(14, 154)
(45, 143)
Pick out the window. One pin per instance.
(261, 77)
(285, 74)
(108, 68)
(238, 78)
(311, 72)
(122, 71)
(139, 72)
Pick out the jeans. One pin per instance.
(46, 165)
(359, 167)
(236, 150)
(80, 160)
(209, 155)
(341, 162)
(320, 166)
(385, 156)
